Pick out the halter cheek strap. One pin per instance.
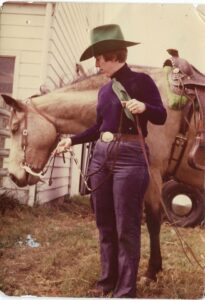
(24, 141)
(24, 144)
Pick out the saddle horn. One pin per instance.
(173, 52)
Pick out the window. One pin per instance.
(6, 74)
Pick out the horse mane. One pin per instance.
(95, 81)
(91, 82)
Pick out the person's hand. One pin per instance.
(135, 106)
(63, 146)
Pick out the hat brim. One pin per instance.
(105, 46)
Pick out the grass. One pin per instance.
(67, 261)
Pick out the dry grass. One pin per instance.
(67, 262)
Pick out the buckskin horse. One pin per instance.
(35, 125)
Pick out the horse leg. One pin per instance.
(153, 220)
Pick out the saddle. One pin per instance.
(182, 69)
(186, 80)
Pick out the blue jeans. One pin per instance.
(117, 201)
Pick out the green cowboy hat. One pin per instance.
(104, 39)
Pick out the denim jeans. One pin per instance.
(122, 178)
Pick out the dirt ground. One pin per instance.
(52, 250)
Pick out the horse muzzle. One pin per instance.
(24, 181)
(26, 177)
(29, 170)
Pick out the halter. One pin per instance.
(28, 167)
(24, 143)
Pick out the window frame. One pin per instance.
(16, 55)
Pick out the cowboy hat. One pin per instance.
(104, 39)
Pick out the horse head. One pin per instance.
(185, 80)
(33, 137)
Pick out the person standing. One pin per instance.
(119, 167)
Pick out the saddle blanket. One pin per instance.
(175, 101)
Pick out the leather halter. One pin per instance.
(24, 142)
(187, 80)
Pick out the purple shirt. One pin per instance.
(139, 86)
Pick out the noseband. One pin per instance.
(24, 142)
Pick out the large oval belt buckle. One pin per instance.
(107, 136)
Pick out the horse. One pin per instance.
(36, 123)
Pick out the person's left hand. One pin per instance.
(135, 106)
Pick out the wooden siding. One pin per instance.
(60, 181)
(47, 40)
(69, 38)
(4, 115)
(21, 33)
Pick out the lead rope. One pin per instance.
(86, 177)
(109, 150)
(185, 247)
(52, 168)
(124, 96)
(52, 158)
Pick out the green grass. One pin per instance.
(67, 262)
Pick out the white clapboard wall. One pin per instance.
(46, 40)
(60, 181)
(21, 36)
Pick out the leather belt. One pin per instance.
(108, 136)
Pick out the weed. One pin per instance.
(66, 263)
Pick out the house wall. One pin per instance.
(47, 40)
(21, 35)
(68, 39)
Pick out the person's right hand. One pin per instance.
(63, 146)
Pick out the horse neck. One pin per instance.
(70, 112)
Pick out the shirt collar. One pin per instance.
(121, 73)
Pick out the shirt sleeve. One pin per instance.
(155, 111)
(89, 135)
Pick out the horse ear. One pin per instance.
(16, 105)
